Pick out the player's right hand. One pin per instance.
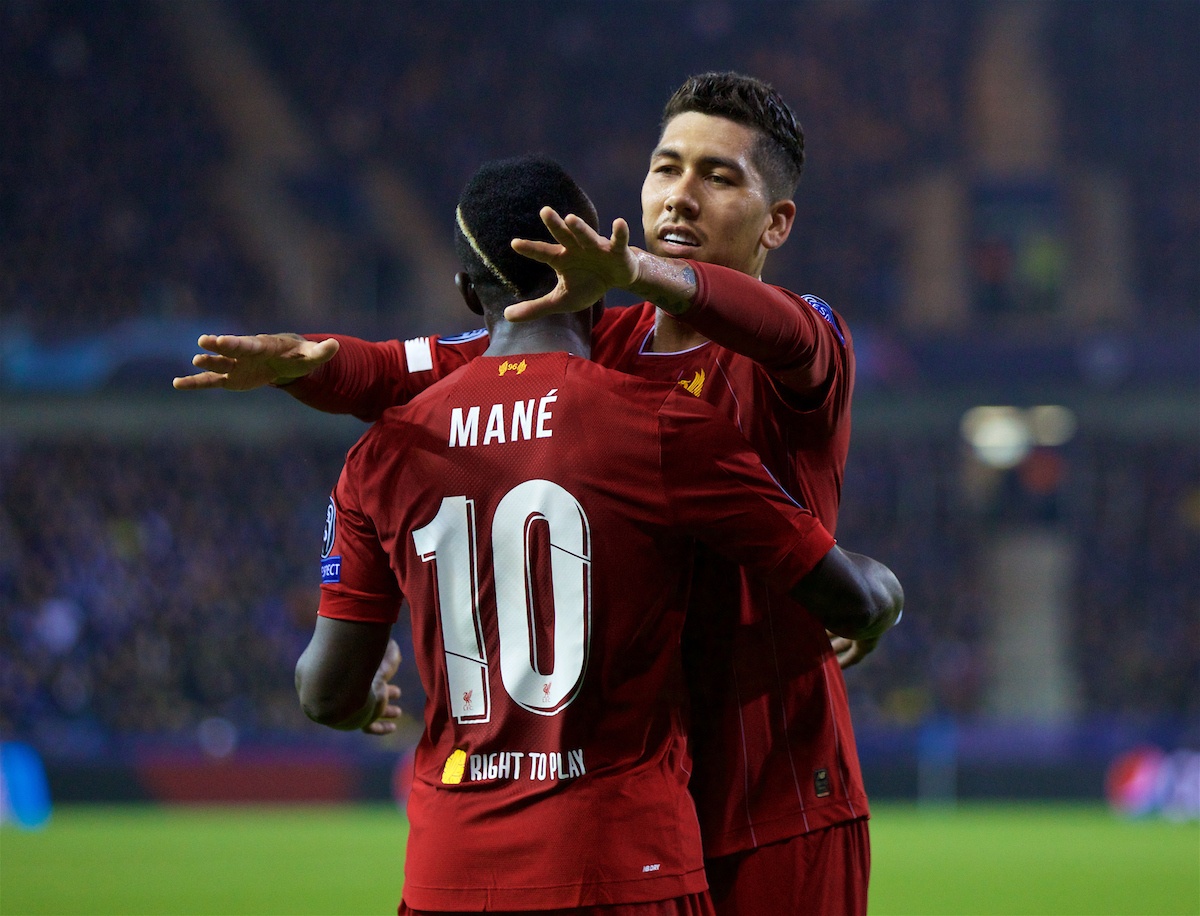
(387, 711)
(587, 264)
(242, 363)
(850, 652)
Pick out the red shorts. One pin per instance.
(823, 873)
(691, 905)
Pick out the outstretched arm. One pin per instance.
(333, 373)
(343, 677)
(241, 363)
(798, 339)
(853, 595)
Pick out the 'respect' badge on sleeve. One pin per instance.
(331, 567)
(331, 570)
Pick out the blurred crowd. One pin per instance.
(433, 92)
(106, 178)
(111, 157)
(149, 588)
(1130, 514)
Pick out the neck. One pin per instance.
(539, 336)
(671, 335)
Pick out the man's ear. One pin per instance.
(467, 288)
(783, 217)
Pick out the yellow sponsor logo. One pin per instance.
(518, 368)
(696, 385)
(452, 772)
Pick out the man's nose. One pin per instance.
(681, 199)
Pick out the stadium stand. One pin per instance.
(151, 586)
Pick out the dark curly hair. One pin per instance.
(501, 202)
(779, 152)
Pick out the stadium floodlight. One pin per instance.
(999, 435)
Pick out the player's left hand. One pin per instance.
(850, 652)
(588, 265)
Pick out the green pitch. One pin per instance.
(222, 860)
(973, 860)
(1031, 859)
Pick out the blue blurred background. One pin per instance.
(1002, 198)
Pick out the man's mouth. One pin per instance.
(679, 238)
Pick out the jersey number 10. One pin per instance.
(451, 541)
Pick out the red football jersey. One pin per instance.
(540, 514)
(771, 730)
(774, 744)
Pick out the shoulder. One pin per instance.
(422, 354)
(370, 444)
(823, 314)
(478, 336)
(826, 312)
(645, 394)
(391, 436)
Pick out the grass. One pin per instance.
(1029, 859)
(222, 860)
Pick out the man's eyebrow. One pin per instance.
(666, 152)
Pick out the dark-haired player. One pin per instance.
(778, 784)
(539, 514)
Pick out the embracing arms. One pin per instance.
(854, 596)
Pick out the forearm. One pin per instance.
(852, 595)
(362, 379)
(764, 323)
(356, 719)
(338, 677)
(669, 283)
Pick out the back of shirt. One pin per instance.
(538, 512)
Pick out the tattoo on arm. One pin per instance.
(668, 283)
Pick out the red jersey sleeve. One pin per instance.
(719, 490)
(357, 582)
(366, 378)
(799, 339)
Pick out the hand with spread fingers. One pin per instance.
(587, 264)
(242, 363)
